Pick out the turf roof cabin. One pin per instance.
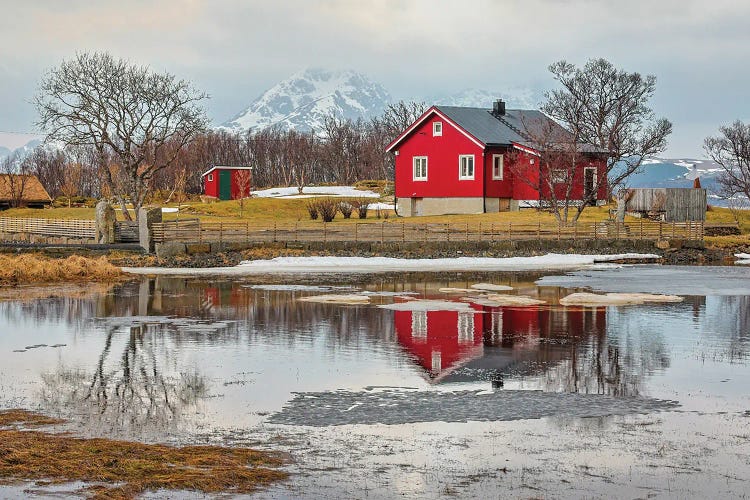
(22, 191)
(227, 183)
(458, 160)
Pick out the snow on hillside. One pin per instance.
(303, 101)
(311, 191)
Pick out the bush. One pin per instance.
(312, 209)
(361, 205)
(327, 208)
(346, 209)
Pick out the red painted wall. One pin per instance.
(211, 188)
(442, 163)
(578, 177)
(442, 336)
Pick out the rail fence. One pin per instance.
(62, 228)
(390, 231)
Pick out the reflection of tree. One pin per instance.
(130, 395)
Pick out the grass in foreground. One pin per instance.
(34, 268)
(122, 469)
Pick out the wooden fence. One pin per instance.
(390, 231)
(56, 228)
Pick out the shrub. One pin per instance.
(312, 209)
(361, 205)
(327, 208)
(346, 209)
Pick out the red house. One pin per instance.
(227, 183)
(462, 160)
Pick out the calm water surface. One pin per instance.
(377, 402)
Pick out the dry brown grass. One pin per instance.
(123, 469)
(726, 242)
(35, 268)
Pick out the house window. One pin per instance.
(419, 325)
(437, 129)
(210, 177)
(558, 176)
(465, 327)
(420, 168)
(497, 167)
(466, 167)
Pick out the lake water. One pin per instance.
(451, 397)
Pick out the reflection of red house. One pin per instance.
(440, 340)
(494, 340)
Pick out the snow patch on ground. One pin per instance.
(353, 299)
(292, 265)
(312, 191)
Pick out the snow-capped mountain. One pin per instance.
(514, 97)
(19, 152)
(304, 100)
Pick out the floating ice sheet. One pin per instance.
(392, 407)
(429, 305)
(671, 280)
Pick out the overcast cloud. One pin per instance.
(236, 49)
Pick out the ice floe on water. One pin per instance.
(491, 287)
(393, 407)
(292, 265)
(429, 305)
(617, 299)
(297, 288)
(670, 280)
(495, 300)
(353, 299)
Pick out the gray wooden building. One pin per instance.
(672, 204)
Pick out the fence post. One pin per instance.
(296, 231)
(673, 228)
(617, 230)
(424, 232)
(559, 228)
(274, 232)
(539, 230)
(356, 228)
(510, 231)
(492, 231)
(641, 219)
(481, 236)
(247, 231)
(596, 234)
(467, 232)
(221, 232)
(382, 231)
(448, 232)
(403, 232)
(575, 232)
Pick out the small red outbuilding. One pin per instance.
(228, 183)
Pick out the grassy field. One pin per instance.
(269, 210)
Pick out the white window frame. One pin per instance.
(419, 325)
(495, 175)
(210, 177)
(461, 159)
(437, 129)
(465, 327)
(414, 161)
(558, 176)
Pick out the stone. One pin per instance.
(196, 248)
(170, 249)
(147, 217)
(105, 223)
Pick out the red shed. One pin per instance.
(458, 160)
(227, 183)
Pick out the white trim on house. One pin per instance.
(210, 177)
(437, 129)
(224, 167)
(526, 149)
(423, 168)
(466, 176)
(421, 120)
(495, 175)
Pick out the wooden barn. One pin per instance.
(462, 160)
(23, 191)
(227, 183)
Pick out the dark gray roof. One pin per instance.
(515, 126)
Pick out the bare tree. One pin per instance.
(138, 118)
(16, 176)
(731, 151)
(608, 108)
(71, 183)
(242, 179)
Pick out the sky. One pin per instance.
(236, 49)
